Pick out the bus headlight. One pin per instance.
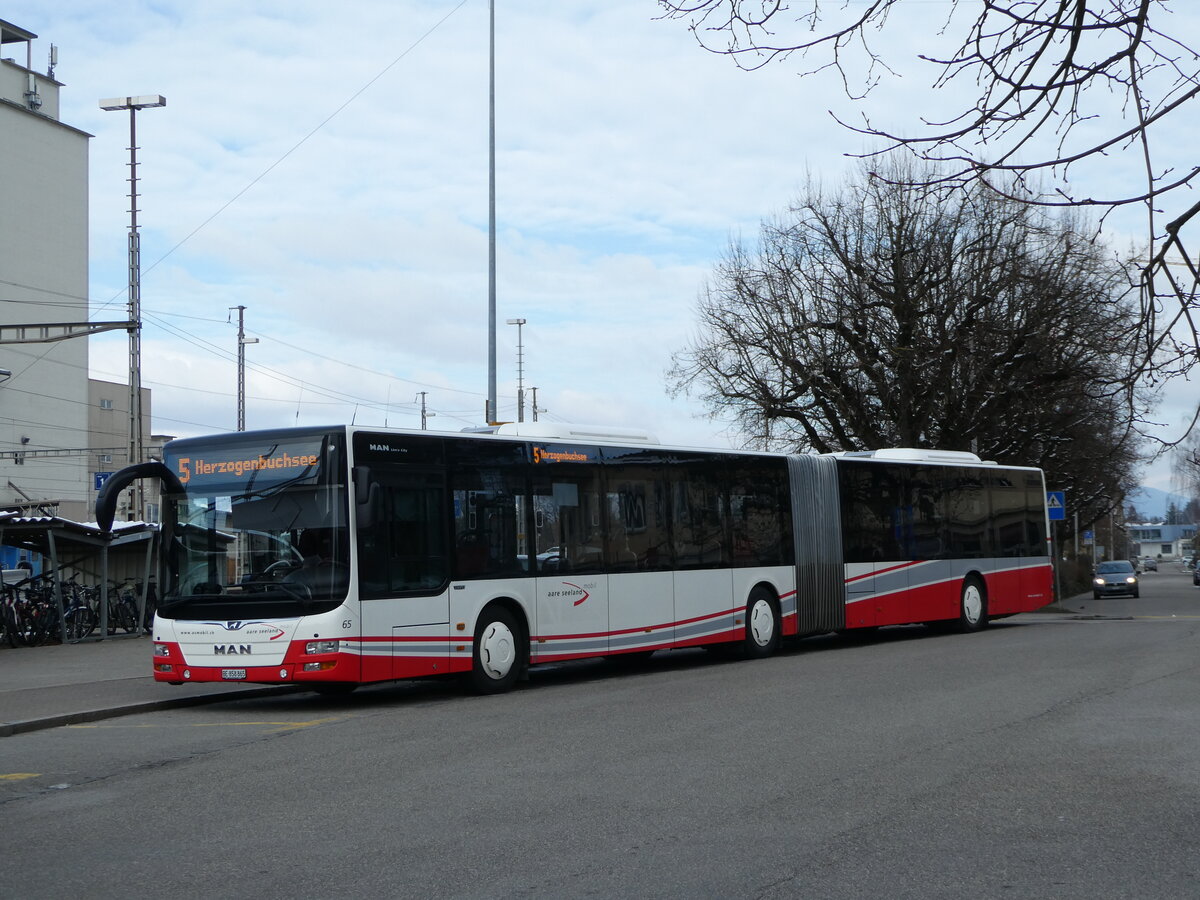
(162, 650)
(321, 647)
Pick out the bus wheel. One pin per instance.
(496, 660)
(762, 625)
(972, 608)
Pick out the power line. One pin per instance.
(300, 143)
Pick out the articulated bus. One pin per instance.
(333, 557)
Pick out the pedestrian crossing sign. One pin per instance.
(1056, 505)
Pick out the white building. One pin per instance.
(48, 455)
(1162, 541)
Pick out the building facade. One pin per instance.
(1162, 541)
(58, 429)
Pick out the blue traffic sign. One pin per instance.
(1056, 505)
(101, 477)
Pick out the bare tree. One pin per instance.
(881, 315)
(1062, 85)
(1185, 464)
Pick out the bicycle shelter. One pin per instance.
(69, 545)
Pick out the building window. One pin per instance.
(105, 457)
(105, 404)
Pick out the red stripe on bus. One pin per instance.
(907, 565)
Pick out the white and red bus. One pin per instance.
(339, 556)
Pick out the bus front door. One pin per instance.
(571, 617)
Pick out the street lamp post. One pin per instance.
(520, 370)
(133, 104)
(491, 411)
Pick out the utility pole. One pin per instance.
(136, 439)
(425, 415)
(520, 369)
(241, 371)
(534, 406)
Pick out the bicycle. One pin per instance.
(27, 613)
(151, 604)
(122, 608)
(78, 615)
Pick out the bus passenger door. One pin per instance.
(705, 609)
(571, 616)
(641, 612)
(860, 594)
(421, 649)
(872, 532)
(403, 567)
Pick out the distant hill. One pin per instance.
(1153, 503)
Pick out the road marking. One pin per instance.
(280, 725)
(1115, 617)
(19, 776)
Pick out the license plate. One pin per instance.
(233, 674)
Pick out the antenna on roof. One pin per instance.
(53, 61)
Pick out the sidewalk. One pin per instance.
(44, 687)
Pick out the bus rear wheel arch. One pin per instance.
(499, 652)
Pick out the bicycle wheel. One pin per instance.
(81, 622)
(43, 624)
(10, 624)
(121, 615)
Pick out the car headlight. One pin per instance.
(1131, 580)
(1099, 582)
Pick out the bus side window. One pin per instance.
(926, 533)
(488, 485)
(967, 513)
(637, 520)
(760, 513)
(488, 521)
(1008, 515)
(873, 511)
(403, 548)
(699, 514)
(569, 536)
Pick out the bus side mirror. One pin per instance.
(366, 496)
(106, 500)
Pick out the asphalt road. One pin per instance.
(1050, 756)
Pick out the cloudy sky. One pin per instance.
(325, 166)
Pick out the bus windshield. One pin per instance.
(260, 529)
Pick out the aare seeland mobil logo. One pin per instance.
(251, 629)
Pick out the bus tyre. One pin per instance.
(972, 607)
(762, 625)
(496, 659)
